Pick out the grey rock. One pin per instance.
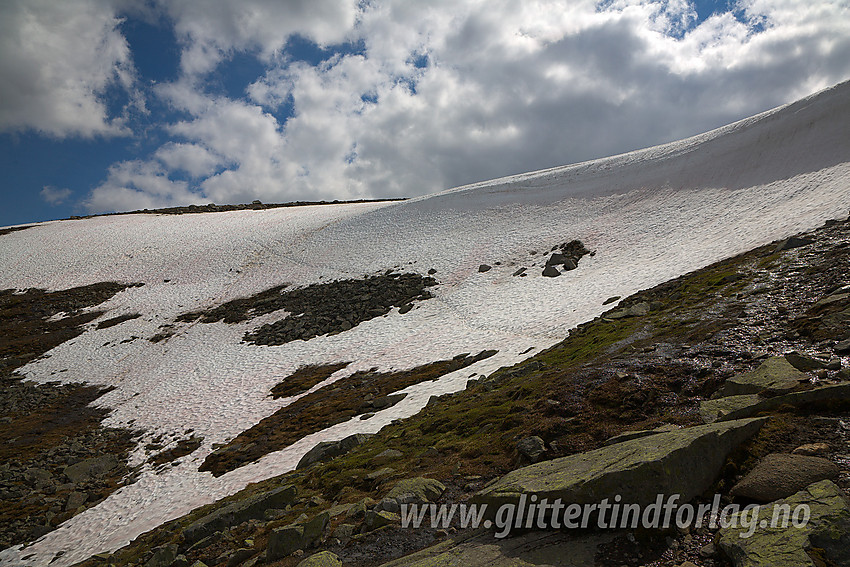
(780, 475)
(75, 500)
(737, 407)
(519, 272)
(380, 518)
(91, 469)
(804, 363)
(684, 462)
(556, 259)
(327, 450)
(534, 549)
(240, 511)
(629, 435)
(842, 347)
(321, 559)
(484, 268)
(793, 242)
(551, 272)
(360, 508)
(570, 264)
(344, 532)
(385, 457)
(775, 373)
(284, 541)
(315, 529)
(532, 448)
(388, 504)
(240, 556)
(828, 529)
(419, 490)
(163, 556)
(636, 310)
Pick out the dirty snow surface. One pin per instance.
(649, 215)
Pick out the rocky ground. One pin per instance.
(213, 208)
(56, 458)
(688, 364)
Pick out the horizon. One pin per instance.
(108, 107)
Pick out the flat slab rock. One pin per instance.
(684, 462)
(746, 405)
(775, 373)
(780, 475)
(826, 535)
(537, 549)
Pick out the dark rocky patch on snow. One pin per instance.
(321, 308)
(305, 378)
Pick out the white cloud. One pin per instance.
(509, 86)
(138, 184)
(57, 60)
(54, 195)
(213, 29)
(194, 159)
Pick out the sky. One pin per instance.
(115, 105)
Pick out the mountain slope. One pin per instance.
(649, 215)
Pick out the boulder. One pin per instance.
(91, 469)
(531, 448)
(381, 518)
(684, 462)
(385, 457)
(327, 450)
(359, 509)
(717, 409)
(636, 310)
(315, 529)
(285, 541)
(551, 272)
(419, 490)
(321, 559)
(163, 556)
(484, 268)
(737, 407)
(793, 242)
(779, 475)
(804, 363)
(532, 549)
(775, 374)
(237, 512)
(842, 347)
(827, 531)
(75, 500)
(629, 435)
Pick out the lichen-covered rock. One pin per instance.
(89, 469)
(321, 559)
(779, 475)
(163, 556)
(775, 374)
(381, 518)
(684, 462)
(738, 407)
(826, 534)
(327, 450)
(233, 514)
(417, 489)
(532, 549)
